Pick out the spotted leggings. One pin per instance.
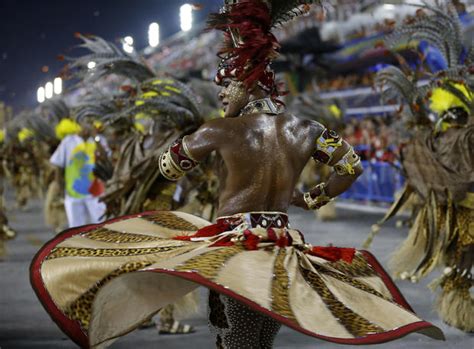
(238, 327)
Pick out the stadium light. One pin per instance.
(186, 16)
(128, 44)
(48, 90)
(58, 86)
(40, 94)
(389, 7)
(154, 35)
(128, 40)
(91, 65)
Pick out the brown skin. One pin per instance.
(263, 156)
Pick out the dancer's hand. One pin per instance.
(298, 200)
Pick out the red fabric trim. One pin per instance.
(333, 254)
(370, 339)
(272, 236)
(251, 241)
(283, 241)
(68, 326)
(207, 231)
(223, 243)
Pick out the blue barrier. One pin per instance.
(379, 182)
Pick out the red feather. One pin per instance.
(251, 241)
(209, 231)
(256, 46)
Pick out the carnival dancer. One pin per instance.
(54, 212)
(24, 153)
(75, 160)
(261, 273)
(438, 162)
(22, 166)
(54, 124)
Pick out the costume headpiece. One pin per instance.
(29, 125)
(108, 59)
(440, 27)
(441, 99)
(66, 127)
(25, 134)
(249, 45)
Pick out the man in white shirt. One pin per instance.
(75, 158)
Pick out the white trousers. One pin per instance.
(83, 211)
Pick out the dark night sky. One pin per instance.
(34, 32)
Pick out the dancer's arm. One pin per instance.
(185, 154)
(337, 153)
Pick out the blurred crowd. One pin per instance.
(373, 138)
(347, 81)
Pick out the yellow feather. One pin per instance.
(141, 116)
(67, 127)
(334, 109)
(24, 134)
(98, 124)
(139, 127)
(441, 100)
(149, 94)
(174, 89)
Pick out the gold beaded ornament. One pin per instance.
(173, 169)
(320, 200)
(346, 165)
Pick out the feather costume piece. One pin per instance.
(249, 45)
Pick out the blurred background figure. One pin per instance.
(75, 159)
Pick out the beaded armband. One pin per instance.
(326, 144)
(320, 200)
(346, 165)
(176, 161)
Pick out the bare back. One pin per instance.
(263, 157)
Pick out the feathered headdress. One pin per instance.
(55, 109)
(66, 127)
(24, 134)
(442, 99)
(440, 27)
(98, 109)
(249, 45)
(167, 101)
(108, 59)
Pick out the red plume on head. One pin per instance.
(249, 46)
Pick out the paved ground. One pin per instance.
(24, 324)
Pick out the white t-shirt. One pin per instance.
(77, 157)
